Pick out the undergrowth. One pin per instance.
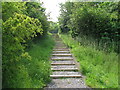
(99, 67)
(39, 66)
(33, 71)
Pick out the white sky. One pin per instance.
(52, 7)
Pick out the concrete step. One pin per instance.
(63, 66)
(65, 73)
(64, 69)
(58, 40)
(61, 58)
(60, 46)
(59, 43)
(64, 62)
(61, 49)
(66, 76)
(62, 55)
(59, 52)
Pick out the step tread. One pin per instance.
(68, 61)
(64, 54)
(61, 52)
(65, 73)
(56, 76)
(68, 69)
(62, 58)
(60, 49)
(68, 66)
(62, 63)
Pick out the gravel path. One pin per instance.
(67, 83)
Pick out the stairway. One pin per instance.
(65, 70)
(63, 64)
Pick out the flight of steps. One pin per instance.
(63, 64)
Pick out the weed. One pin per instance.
(100, 68)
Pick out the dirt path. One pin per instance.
(65, 70)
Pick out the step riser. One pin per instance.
(60, 44)
(61, 52)
(65, 76)
(62, 64)
(62, 59)
(65, 73)
(63, 47)
(64, 69)
(60, 49)
(66, 62)
(62, 56)
(73, 66)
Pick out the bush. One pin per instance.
(97, 20)
(21, 69)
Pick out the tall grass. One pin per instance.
(104, 44)
(39, 67)
(33, 71)
(99, 67)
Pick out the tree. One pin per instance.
(35, 10)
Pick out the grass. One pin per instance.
(39, 67)
(100, 44)
(32, 71)
(99, 67)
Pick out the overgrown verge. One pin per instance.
(92, 20)
(33, 69)
(26, 48)
(39, 66)
(99, 67)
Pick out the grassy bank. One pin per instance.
(39, 67)
(33, 70)
(99, 67)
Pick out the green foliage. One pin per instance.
(54, 27)
(32, 72)
(31, 9)
(21, 69)
(99, 67)
(35, 10)
(17, 30)
(66, 10)
(8, 9)
(39, 66)
(98, 20)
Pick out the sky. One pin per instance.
(52, 7)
